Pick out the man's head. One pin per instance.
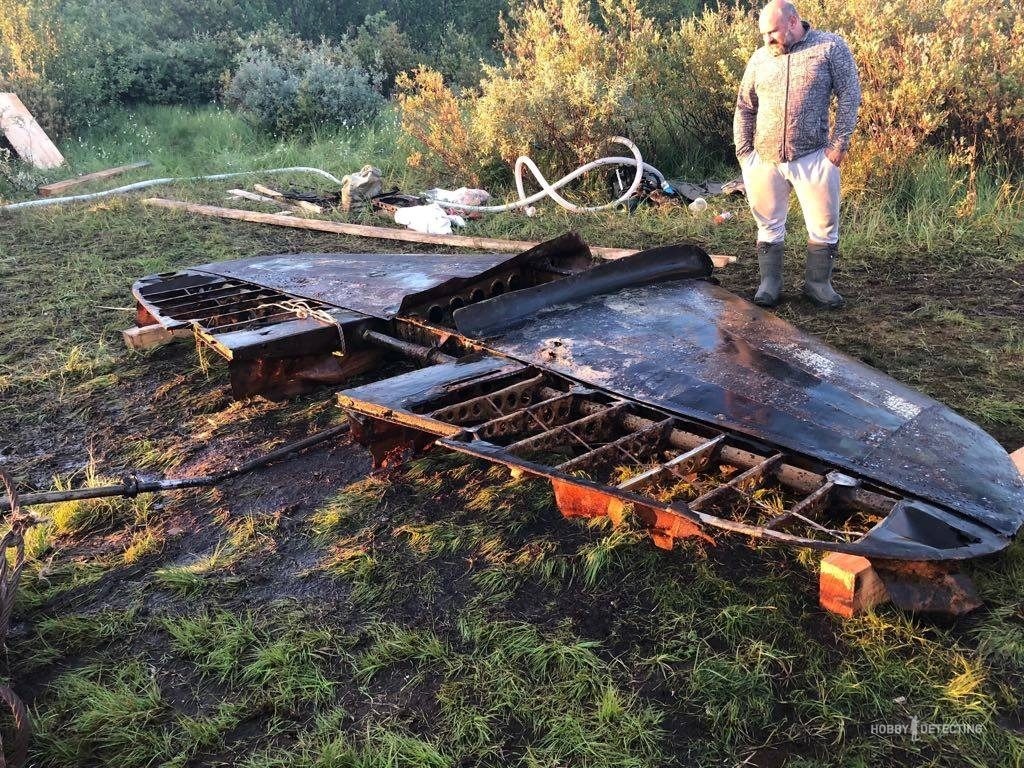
(780, 25)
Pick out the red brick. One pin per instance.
(1018, 459)
(849, 585)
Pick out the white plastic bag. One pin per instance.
(429, 219)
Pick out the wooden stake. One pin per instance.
(57, 187)
(304, 205)
(152, 335)
(385, 233)
(246, 195)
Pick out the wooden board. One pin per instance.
(152, 335)
(386, 233)
(23, 132)
(58, 187)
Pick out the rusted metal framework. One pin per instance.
(635, 387)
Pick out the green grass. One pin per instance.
(444, 614)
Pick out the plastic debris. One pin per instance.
(461, 196)
(429, 219)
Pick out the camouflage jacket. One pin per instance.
(782, 109)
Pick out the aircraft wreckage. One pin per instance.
(636, 384)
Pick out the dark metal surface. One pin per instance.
(653, 265)
(693, 348)
(372, 283)
(383, 284)
(675, 371)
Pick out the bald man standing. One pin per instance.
(784, 142)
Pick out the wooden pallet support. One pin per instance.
(152, 336)
(849, 585)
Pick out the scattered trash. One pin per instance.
(723, 217)
(655, 190)
(698, 206)
(358, 189)
(386, 233)
(551, 190)
(689, 190)
(245, 195)
(389, 202)
(284, 200)
(430, 219)
(734, 187)
(25, 136)
(461, 196)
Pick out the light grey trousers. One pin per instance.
(816, 182)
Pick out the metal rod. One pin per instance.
(238, 325)
(150, 295)
(132, 486)
(817, 499)
(756, 473)
(694, 455)
(449, 412)
(616, 446)
(493, 426)
(531, 443)
(219, 291)
(205, 301)
(426, 355)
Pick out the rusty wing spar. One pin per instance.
(634, 384)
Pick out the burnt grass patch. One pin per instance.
(443, 613)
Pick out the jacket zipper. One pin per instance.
(785, 114)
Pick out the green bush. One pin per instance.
(380, 46)
(288, 86)
(460, 57)
(934, 73)
(181, 71)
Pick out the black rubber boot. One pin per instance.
(818, 276)
(769, 261)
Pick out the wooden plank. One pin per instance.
(152, 335)
(28, 139)
(58, 187)
(385, 233)
(267, 191)
(304, 205)
(246, 195)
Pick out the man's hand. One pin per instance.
(835, 156)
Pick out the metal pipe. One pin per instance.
(425, 355)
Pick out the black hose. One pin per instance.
(132, 486)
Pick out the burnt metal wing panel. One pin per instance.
(372, 283)
(384, 284)
(578, 372)
(654, 265)
(693, 348)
